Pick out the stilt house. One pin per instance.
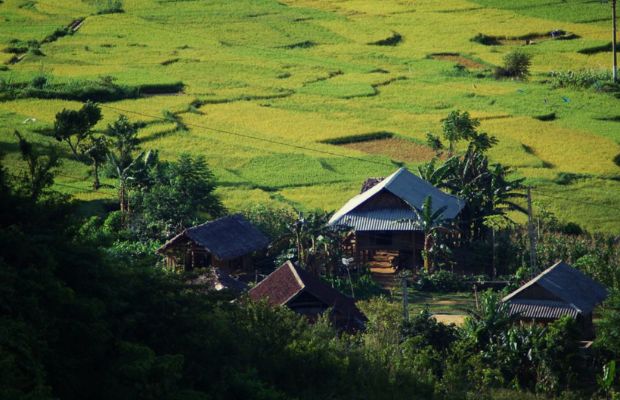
(385, 217)
(306, 294)
(559, 291)
(227, 243)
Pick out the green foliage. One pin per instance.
(273, 221)
(74, 126)
(608, 332)
(361, 287)
(442, 281)
(516, 65)
(109, 7)
(459, 126)
(85, 90)
(313, 244)
(177, 195)
(39, 172)
(580, 79)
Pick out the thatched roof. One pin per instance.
(226, 238)
(287, 282)
(559, 290)
(409, 188)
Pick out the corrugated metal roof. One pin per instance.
(541, 309)
(411, 189)
(381, 220)
(566, 283)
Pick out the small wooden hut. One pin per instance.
(306, 294)
(227, 243)
(559, 291)
(385, 217)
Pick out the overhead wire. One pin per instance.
(248, 136)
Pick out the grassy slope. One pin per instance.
(300, 72)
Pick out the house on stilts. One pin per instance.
(226, 244)
(385, 219)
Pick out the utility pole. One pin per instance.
(531, 231)
(405, 298)
(613, 41)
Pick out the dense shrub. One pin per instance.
(110, 7)
(99, 91)
(445, 281)
(516, 65)
(581, 79)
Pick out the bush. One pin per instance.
(364, 286)
(581, 79)
(110, 7)
(441, 281)
(516, 65)
(38, 82)
(98, 91)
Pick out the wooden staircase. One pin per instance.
(382, 269)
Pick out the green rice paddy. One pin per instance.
(273, 81)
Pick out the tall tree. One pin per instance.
(124, 137)
(175, 195)
(74, 126)
(125, 166)
(96, 149)
(39, 173)
(458, 126)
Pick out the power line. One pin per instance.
(253, 137)
(590, 203)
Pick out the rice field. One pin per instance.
(276, 80)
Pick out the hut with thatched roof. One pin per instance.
(227, 243)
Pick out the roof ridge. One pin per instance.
(293, 269)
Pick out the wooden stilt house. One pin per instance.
(227, 243)
(385, 217)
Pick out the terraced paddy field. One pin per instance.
(271, 90)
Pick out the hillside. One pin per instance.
(272, 91)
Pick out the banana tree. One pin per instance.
(432, 222)
(129, 173)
